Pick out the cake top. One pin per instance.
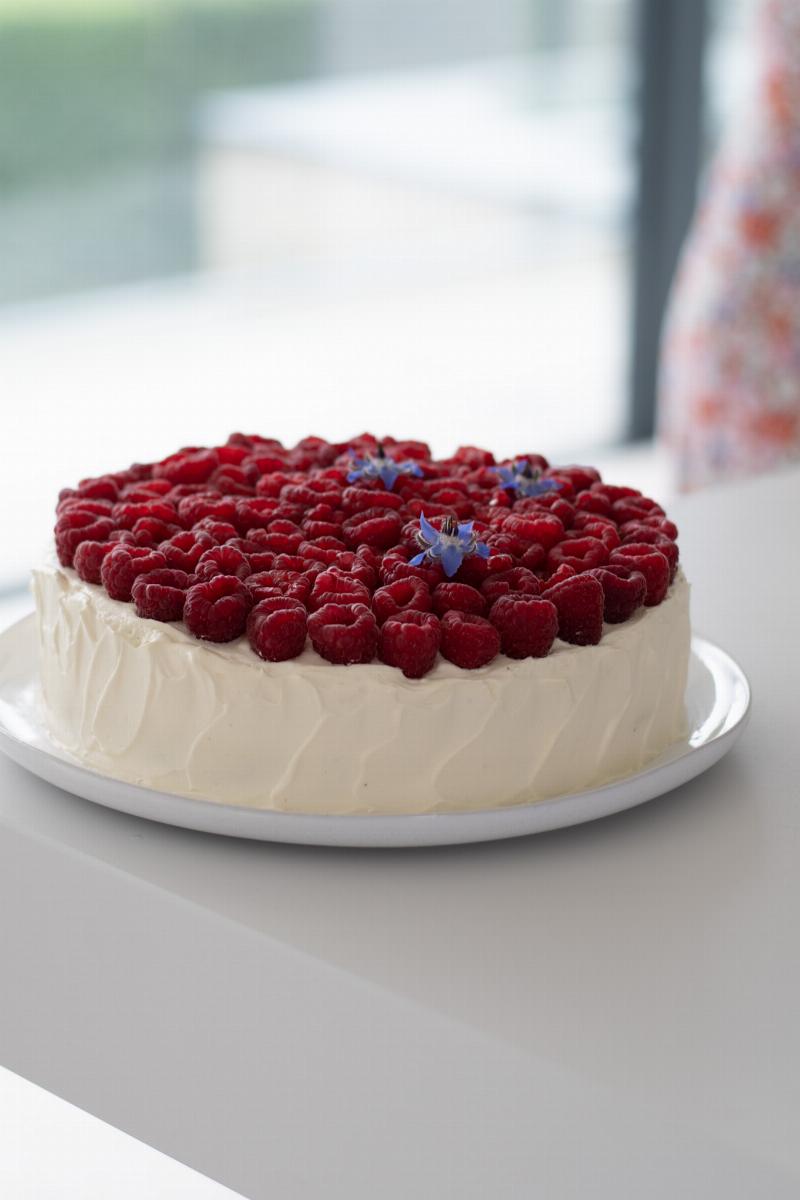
(370, 548)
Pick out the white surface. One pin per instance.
(717, 697)
(50, 1150)
(605, 1011)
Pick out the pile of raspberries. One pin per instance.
(253, 539)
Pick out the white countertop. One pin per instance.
(605, 1011)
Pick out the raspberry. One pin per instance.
(75, 527)
(527, 625)
(160, 595)
(579, 477)
(582, 553)
(254, 512)
(631, 508)
(89, 558)
(593, 502)
(101, 488)
(220, 531)
(125, 515)
(565, 571)
(121, 566)
(276, 628)
(287, 583)
(216, 610)
(403, 595)
(468, 640)
(592, 525)
(654, 537)
(518, 581)
(184, 550)
(280, 536)
(344, 633)
(187, 467)
(337, 587)
(543, 528)
(533, 557)
(612, 493)
(663, 524)
(410, 640)
(150, 531)
(359, 499)
(431, 574)
(623, 592)
(222, 560)
(376, 527)
(579, 601)
(458, 597)
(206, 504)
(652, 564)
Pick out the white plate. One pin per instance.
(718, 703)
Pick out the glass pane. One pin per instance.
(310, 216)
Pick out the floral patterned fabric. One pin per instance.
(730, 381)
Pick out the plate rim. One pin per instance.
(395, 830)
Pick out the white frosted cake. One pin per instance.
(362, 629)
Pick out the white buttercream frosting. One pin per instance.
(145, 702)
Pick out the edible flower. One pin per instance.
(379, 466)
(524, 479)
(449, 545)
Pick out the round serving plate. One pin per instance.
(717, 701)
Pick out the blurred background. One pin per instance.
(452, 219)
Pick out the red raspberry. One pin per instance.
(653, 565)
(187, 466)
(344, 633)
(89, 558)
(633, 507)
(322, 551)
(121, 566)
(458, 597)
(431, 574)
(623, 592)
(359, 499)
(592, 525)
(75, 527)
(528, 625)
(518, 581)
(160, 595)
(579, 477)
(220, 531)
(126, 515)
(206, 504)
(593, 502)
(582, 553)
(254, 512)
(612, 493)
(580, 609)
(150, 531)
(101, 488)
(337, 587)
(565, 571)
(654, 537)
(184, 550)
(287, 583)
(468, 641)
(410, 640)
(222, 560)
(376, 527)
(543, 528)
(280, 536)
(401, 596)
(78, 504)
(533, 557)
(276, 628)
(662, 524)
(216, 611)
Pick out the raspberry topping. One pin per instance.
(468, 641)
(217, 609)
(527, 625)
(276, 628)
(344, 633)
(160, 595)
(379, 546)
(123, 563)
(579, 601)
(410, 640)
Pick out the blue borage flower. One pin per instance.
(379, 466)
(524, 479)
(449, 545)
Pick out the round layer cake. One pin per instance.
(360, 628)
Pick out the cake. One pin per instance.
(362, 628)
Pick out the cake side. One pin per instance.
(144, 701)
